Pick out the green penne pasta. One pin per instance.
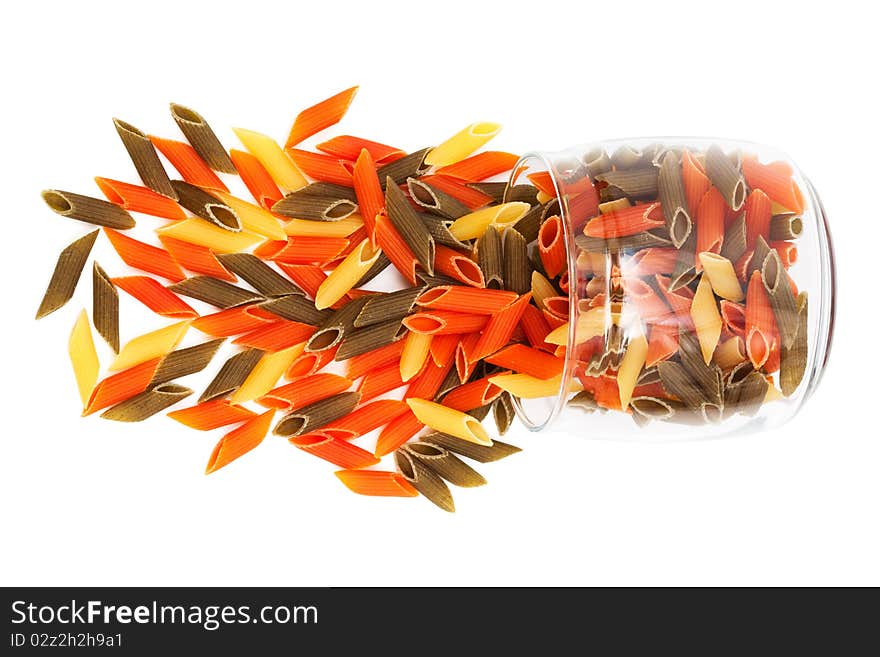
(782, 299)
(435, 201)
(746, 395)
(678, 383)
(502, 411)
(259, 275)
(435, 281)
(382, 263)
(105, 307)
(232, 375)
(450, 382)
(361, 340)
(445, 464)
(726, 176)
(628, 157)
(635, 242)
(202, 138)
(424, 480)
(584, 400)
(206, 206)
(530, 223)
(439, 229)
(793, 360)
(316, 415)
(517, 268)
(299, 205)
(480, 412)
(786, 227)
(336, 326)
(387, 306)
(735, 241)
(182, 362)
(596, 161)
(66, 275)
(145, 159)
(636, 184)
(409, 227)
(482, 454)
(85, 208)
(673, 201)
(685, 265)
(148, 403)
(297, 308)
(759, 255)
(489, 257)
(707, 377)
(409, 166)
(215, 292)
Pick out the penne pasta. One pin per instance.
(155, 297)
(466, 299)
(416, 347)
(793, 359)
(636, 183)
(296, 308)
(480, 166)
(673, 201)
(480, 453)
(239, 441)
(147, 404)
(256, 178)
(321, 167)
(215, 292)
(105, 307)
(184, 362)
(627, 222)
(725, 177)
(276, 336)
(489, 253)
(781, 297)
(721, 275)
(83, 357)
(334, 450)
(317, 414)
(445, 464)
(378, 381)
(143, 156)
(525, 386)
(316, 118)
(253, 218)
(189, 165)
(232, 375)
(551, 246)
(387, 306)
(305, 391)
(434, 200)
(364, 340)
(231, 321)
(66, 274)
(336, 326)
(211, 415)
(202, 138)
(346, 275)
(447, 420)
(473, 225)
(121, 386)
(265, 374)
(282, 169)
(527, 360)
(412, 165)
(760, 325)
(472, 395)
(366, 418)
(775, 182)
(706, 318)
(395, 248)
(758, 217)
(87, 209)
(259, 275)
(443, 322)
(462, 144)
(411, 230)
(201, 233)
(346, 147)
(376, 483)
(517, 276)
(397, 432)
(134, 198)
(149, 346)
(499, 330)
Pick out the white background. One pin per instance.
(92, 502)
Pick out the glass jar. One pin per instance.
(696, 295)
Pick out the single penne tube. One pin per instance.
(415, 350)
(376, 483)
(105, 307)
(726, 177)
(90, 210)
(473, 225)
(211, 415)
(155, 296)
(66, 274)
(730, 353)
(673, 201)
(542, 289)
(315, 415)
(722, 276)
(589, 325)
(447, 420)
(215, 292)
(147, 404)
(259, 275)
(135, 198)
(254, 218)
(202, 233)
(630, 366)
(319, 116)
(232, 375)
(265, 374)
(464, 299)
(83, 357)
(276, 161)
(183, 362)
(189, 164)
(255, 177)
(150, 345)
(239, 441)
(462, 144)
(202, 138)
(525, 386)
(312, 228)
(706, 318)
(424, 480)
(346, 274)
(143, 156)
(363, 340)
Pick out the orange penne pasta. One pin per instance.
(662, 342)
(527, 360)
(499, 330)
(196, 258)
(656, 260)
(380, 380)
(191, 167)
(121, 386)
(148, 258)
(583, 206)
(464, 361)
(135, 198)
(710, 224)
(551, 246)
(319, 116)
(371, 360)
(335, 450)
(395, 248)
(473, 394)
(760, 323)
(256, 178)
(427, 384)
(365, 419)
(543, 182)
(651, 307)
(307, 277)
(368, 189)
(443, 348)
(775, 181)
(480, 166)
(310, 363)
(679, 300)
(557, 307)
(232, 321)
(473, 198)
(155, 296)
(302, 250)
(325, 168)
(346, 147)
(466, 299)
(212, 415)
(788, 252)
(440, 322)
(376, 483)
(450, 262)
(758, 216)
(305, 391)
(535, 326)
(696, 182)
(276, 336)
(239, 441)
(734, 317)
(626, 221)
(397, 432)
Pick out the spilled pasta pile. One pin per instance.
(685, 309)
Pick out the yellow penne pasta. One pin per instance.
(274, 160)
(449, 421)
(266, 373)
(772, 394)
(589, 325)
(473, 225)
(346, 274)
(526, 386)
(543, 197)
(415, 350)
(541, 289)
(707, 319)
(83, 357)
(150, 345)
(631, 367)
(722, 276)
(200, 232)
(311, 228)
(730, 353)
(254, 218)
(462, 144)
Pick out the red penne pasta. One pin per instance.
(380, 380)
(472, 395)
(155, 296)
(307, 277)
(376, 483)
(760, 323)
(543, 182)
(758, 216)
(212, 415)
(365, 419)
(655, 389)
(466, 299)
(370, 197)
(239, 441)
(710, 224)
(305, 391)
(582, 206)
(325, 168)
(397, 432)
(450, 262)
(195, 258)
(256, 178)
(395, 248)
(557, 307)
(733, 315)
(551, 246)
(662, 342)
(528, 360)
(319, 116)
(679, 300)
(334, 450)
(443, 349)
(627, 221)
(656, 260)
(426, 384)
(276, 336)
(499, 330)
(232, 321)
(535, 326)
(135, 198)
(553, 320)
(310, 362)
(696, 182)
(472, 198)
(788, 252)
(440, 322)
(299, 250)
(361, 364)
(124, 385)
(480, 166)
(189, 165)
(775, 181)
(346, 147)
(464, 360)
(148, 258)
